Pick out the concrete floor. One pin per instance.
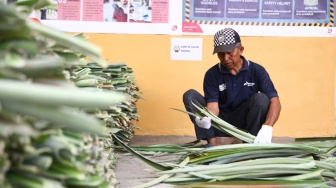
(131, 171)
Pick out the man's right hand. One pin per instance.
(204, 123)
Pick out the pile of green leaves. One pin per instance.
(297, 165)
(47, 138)
(115, 77)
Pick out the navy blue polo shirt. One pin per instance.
(232, 90)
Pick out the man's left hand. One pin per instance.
(264, 135)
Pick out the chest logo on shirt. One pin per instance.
(249, 84)
(222, 87)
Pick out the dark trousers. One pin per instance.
(249, 116)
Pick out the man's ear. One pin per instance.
(241, 49)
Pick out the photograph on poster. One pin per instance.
(140, 11)
(49, 12)
(116, 10)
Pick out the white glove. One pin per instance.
(204, 123)
(264, 135)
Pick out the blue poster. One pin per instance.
(282, 9)
(242, 9)
(311, 9)
(208, 8)
(260, 12)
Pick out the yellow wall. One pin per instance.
(302, 70)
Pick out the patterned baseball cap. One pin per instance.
(225, 40)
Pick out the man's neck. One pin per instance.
(235, 70)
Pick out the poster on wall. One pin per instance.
(262, 17)
(192, 17)
(110, 16)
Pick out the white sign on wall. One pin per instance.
(186, 49)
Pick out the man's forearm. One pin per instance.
(213, 108)
(273, 111)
